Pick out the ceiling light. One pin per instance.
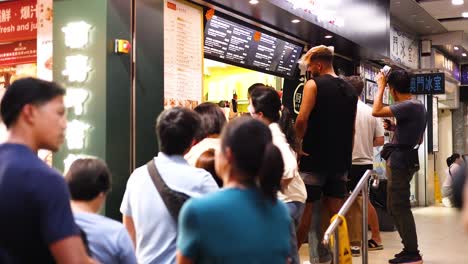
(428, 26)
(253, 2)
(464, 54)
(457, 2)
(295, 21)
(465, 14)
(328, 36)
(455, 48)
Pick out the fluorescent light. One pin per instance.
(464, 54)
(455, 48)
(253, 2)
(328, 36)
(465, 14)
(458, 2)
(295, 21)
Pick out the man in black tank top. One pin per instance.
(325, 125)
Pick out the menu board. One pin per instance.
(183, 54)
(234, 43)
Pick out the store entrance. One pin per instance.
(222, 81)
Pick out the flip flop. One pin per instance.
(372, 245)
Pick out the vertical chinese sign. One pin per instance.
(76, 71)
(404, 48)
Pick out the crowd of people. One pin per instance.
(251, 190)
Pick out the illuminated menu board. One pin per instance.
(236, 44)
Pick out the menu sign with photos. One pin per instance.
(236, 44)
(427, 83)
(183, 54)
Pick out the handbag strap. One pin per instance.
(158, 182)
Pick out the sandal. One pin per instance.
(372, 245)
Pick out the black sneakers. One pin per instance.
(406, 258)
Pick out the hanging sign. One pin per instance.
(428, 83)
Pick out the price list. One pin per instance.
(235, 43)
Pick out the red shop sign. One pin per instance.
(22, 52)
(18, 20)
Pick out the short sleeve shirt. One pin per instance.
(234, 226)
(367, 128)
(156, 230)
(410, 125)
(35, 206)
(108, 239)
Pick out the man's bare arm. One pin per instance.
(379, 110)
(309, 97)
(379, 141)
(130, 226)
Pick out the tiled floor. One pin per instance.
(442, 239)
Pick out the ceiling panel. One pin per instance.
(459, 25)
(444, 8)
(415, 18)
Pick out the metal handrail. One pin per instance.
(362, 186)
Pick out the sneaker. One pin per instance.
(372, 245)
(355, 251)
(407, 258)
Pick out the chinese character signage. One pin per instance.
(22, 52)
(404, 49)
(428, 83)
(18, 20)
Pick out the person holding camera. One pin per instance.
(401, 155)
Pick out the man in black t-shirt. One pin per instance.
(37, 224)
(325, 125)
(403, 162)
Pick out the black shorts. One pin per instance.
(355, 175)
(326, 184)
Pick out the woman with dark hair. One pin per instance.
(206, 161)
(244, 222)
(212, 122)
(265, 105)
(454, 163)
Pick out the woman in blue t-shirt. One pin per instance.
(245, 222)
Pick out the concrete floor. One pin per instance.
(442, 239)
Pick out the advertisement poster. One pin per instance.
(9, 74)
(183, 54)
(44, 39)
(22, 52)
(18, 20)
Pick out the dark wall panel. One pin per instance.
(149, 75)
(118, 103)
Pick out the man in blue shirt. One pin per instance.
(145, 215)
(89, 181)
(37, 224)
